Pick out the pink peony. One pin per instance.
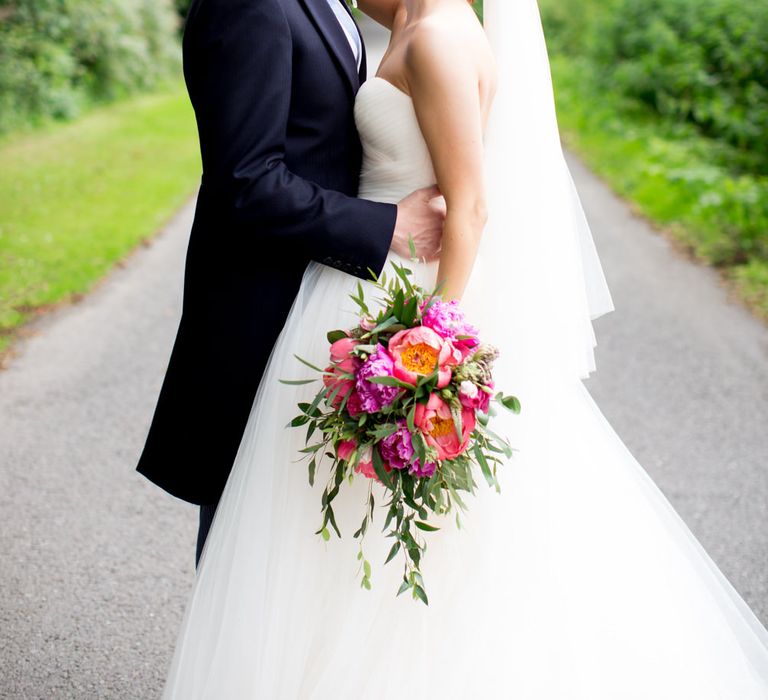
(344, 362)
(367, 323)
(345, 449)
(365, 465)
(342, 349)
(354, 407)
(416, 352)
(436, 422)
(472, 396)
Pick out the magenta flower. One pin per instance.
(422, 473)
(472, 396)
(373, 397)
(397, 450)
(447, 320)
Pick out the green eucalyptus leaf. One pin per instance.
(511, 403)
(412, 420)
(334, 336)
(399, 304)
(420, 593)
(391, 381)
(378, 467)
(457, 424)
(388, 323)
(483, 462)
(309, 364)
(393, 552)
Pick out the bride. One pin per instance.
(578, 581)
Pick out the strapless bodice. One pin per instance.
(396, 159)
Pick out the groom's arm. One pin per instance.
(244, 92)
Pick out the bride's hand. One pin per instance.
(420, 218)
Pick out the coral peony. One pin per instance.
(436, 422)
(417, 351)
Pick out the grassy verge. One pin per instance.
(674, 176)
(76, 198)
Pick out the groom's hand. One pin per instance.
(420, 218)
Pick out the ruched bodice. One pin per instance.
(396, 159)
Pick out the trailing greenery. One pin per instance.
(77, 197)
(666, 100)
(57, 56)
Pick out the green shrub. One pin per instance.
(669, 170)
(705, 61)
(182, 7)
(57, 55)
(570, 25)
(702, 61)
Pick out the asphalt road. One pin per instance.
(95, 564)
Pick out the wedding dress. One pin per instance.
(577, 582)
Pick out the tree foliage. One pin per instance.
(700, 61)
(58, 55)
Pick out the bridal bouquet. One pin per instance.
(405, 403)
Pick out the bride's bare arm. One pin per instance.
(382, 11)
(445, 83)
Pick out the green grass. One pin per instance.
(76, 198)
(674, 176)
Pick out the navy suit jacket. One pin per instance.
(272, 83)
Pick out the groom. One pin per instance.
(273, 84)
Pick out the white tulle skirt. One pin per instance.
(578, 581)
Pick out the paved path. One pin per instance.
(95, 564)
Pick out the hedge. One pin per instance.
(704, 61)
(668, 101)
(700, 61)
(56, 56)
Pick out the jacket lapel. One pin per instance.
(334, 37)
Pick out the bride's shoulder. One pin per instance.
(449, 41)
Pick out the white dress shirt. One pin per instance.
(350, 29)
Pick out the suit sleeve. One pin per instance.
(244, 92)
